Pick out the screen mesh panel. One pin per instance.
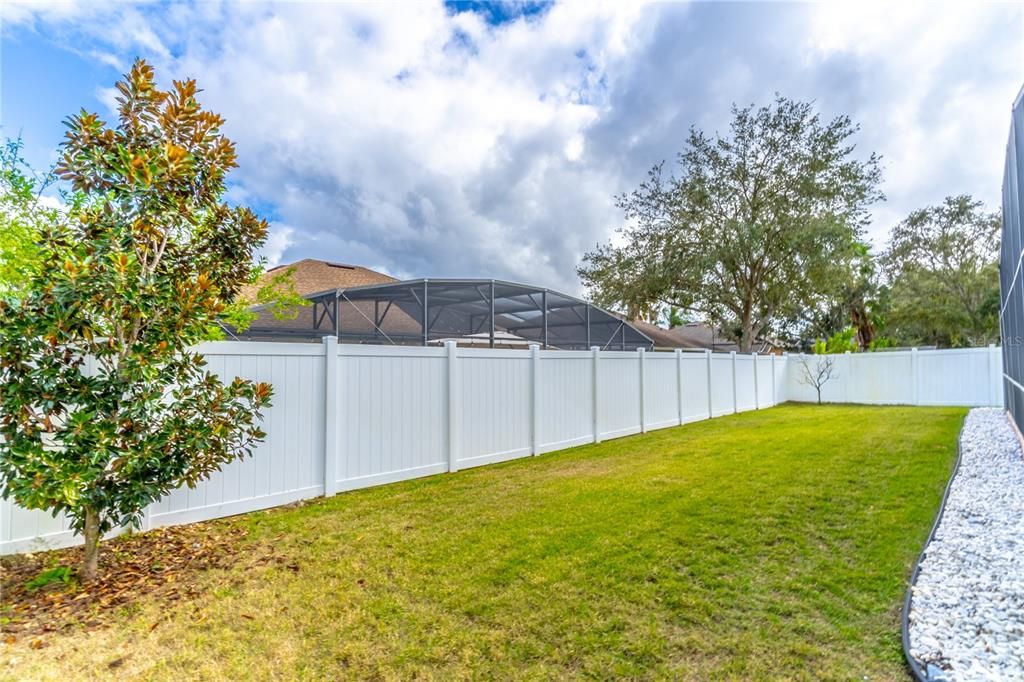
(1011, 313)
(485, 313)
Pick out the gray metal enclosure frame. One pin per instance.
(487, 312)
(1011, 286)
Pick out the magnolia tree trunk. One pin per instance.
(91, 562)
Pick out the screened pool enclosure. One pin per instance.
(474, 312)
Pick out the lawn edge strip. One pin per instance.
(914, 665)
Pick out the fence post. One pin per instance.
(643, 411)
(707, 356)
(757, 398)
(915, 372)
(595, 352)
(453, 420)
(775, 393)
(803, 365)
(679, 383)
(993, 394)
(846, 379)
(332, 387)
(535, 399)
(735, 404)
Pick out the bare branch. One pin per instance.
(821, 373)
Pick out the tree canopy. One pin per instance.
(943, 273)
(757, 226)
(22, 217)
(103, 406)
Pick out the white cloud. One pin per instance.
(940, 81)
(434, 144)
(377, 129)
(37, 11)
(279, 237)
(108, 59)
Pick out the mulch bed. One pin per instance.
(164, 563)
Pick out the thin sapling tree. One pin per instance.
(817, 372)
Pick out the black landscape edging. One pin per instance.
(913, 663)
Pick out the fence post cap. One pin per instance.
(641, 350)
(595, 349)
(450, 343)
(534, 346)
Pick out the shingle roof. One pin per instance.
(691, 335)
(312, 276)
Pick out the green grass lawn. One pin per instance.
(767, 545)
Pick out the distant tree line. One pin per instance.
(761, 233)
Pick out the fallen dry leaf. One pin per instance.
(163, 563)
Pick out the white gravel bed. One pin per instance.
(967, 607)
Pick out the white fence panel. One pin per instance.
(722, 385)
(661, 390)
(288, 465)
(765, 381)
(29, 530)
(781, 372)
(958, 377)
(695, 386)
(392, 414)
(494, 406)
(565, 399)
(874, 378)
(618, 391)
(746, 397)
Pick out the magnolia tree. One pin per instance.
(103, 407)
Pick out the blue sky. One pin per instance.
(42, 84)
(472, 139)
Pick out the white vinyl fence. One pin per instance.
(352, 416)
(958, 376)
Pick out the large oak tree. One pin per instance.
(756, 227)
